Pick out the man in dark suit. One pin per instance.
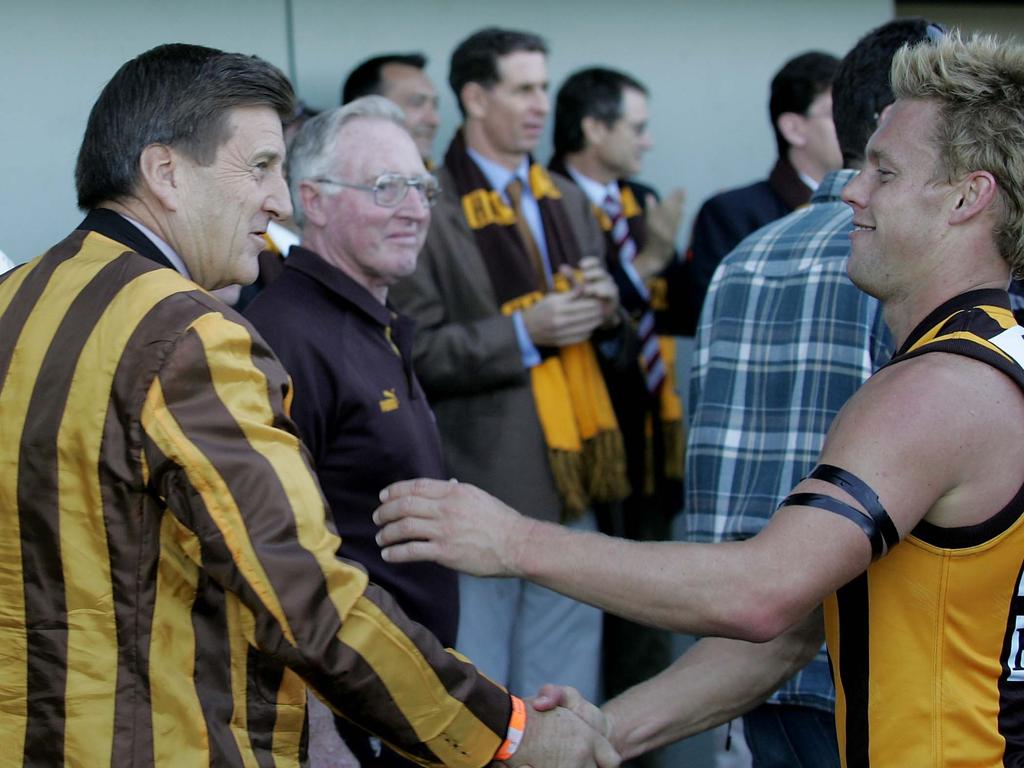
(511, 284)
(601, 135)
(801, 113)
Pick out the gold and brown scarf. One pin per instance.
(671, 428)
(584, 444)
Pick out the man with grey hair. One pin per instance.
(362, 197)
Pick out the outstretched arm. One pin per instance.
(737, 589)
(715, 681)
(751, 590)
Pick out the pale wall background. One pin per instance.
(707, 64)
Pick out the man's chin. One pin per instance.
(247, 268)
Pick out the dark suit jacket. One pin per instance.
(469, 362)
(728, 217)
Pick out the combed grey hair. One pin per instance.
(314, 150)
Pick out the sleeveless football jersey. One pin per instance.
(926, 646)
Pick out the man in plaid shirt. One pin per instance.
(784, 340)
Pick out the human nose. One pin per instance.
(431, 117)
(854, 193)
(414, 204)
(542, 102)
(279, 202)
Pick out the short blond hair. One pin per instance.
(978, 85)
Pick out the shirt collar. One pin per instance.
(593, 189)
(498, 176)
(316, 267)
(160, 243)
(808, 181)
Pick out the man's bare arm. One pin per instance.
(887, 435)
(715, 681)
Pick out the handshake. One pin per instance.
(564, 730)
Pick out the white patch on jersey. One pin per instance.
(1015, 662)
(1011, 341)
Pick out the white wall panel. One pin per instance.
(707, 64)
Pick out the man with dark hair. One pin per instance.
(601, 135)
(402, 78)
(800, 108)
(809, 339)
(170, 585)
(507, 294)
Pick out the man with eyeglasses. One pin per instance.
(508, 293)
(362, 197)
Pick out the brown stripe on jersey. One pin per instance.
(977, 320)
(213, 670)
(253, 484)
(278, 383)
(13, 318)
(133, 535)
(1011, 691)
(487, 702)
(368, 705)
(854, 666)
(39, 510)
(213, 662)
(264, 675)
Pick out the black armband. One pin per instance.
(876, 524)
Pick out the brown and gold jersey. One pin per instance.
(926, 646)
(168, 585)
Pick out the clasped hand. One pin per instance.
(564, 730)
(570, 317)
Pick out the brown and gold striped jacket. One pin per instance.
(168, 585)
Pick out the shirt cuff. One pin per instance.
(529, 353)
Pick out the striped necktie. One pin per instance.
(650, 352)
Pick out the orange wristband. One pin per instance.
(516, 726)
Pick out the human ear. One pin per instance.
(474, 99)
(974, 194)
(594, 131)
(158, 167)
(312, 203)
(793, 128)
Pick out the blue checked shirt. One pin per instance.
(784, 340)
